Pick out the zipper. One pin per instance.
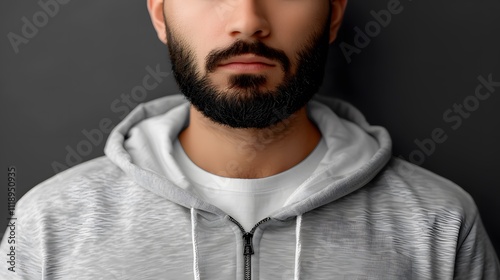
(248, 246)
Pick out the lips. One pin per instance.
(247, 63)
(248, 60)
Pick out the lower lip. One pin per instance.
(246, 67)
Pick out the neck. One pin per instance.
(249, 153)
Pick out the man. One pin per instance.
(248, 175)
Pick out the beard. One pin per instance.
(244, 104)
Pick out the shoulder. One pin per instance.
(72, 186)
(425, 182)
(417, 188)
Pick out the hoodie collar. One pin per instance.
(331, 180)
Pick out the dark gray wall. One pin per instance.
(90, 54)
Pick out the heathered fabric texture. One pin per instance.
(110, 219)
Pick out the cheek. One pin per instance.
(198, 23)
(292, 36)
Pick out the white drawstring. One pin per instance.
(194, 237)
(298, 247)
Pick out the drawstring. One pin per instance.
(194, 236)
(298, 247)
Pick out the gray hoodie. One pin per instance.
(110, 218)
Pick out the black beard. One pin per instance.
(244, 105)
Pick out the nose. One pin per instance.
(247, 19)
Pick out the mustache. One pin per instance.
(258, 48)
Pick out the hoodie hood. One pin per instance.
(323, 186)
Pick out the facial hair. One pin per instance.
(244, 104)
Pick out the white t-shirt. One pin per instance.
(248, 200)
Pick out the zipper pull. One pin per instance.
(247, 237)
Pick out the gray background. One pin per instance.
(428, 58)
